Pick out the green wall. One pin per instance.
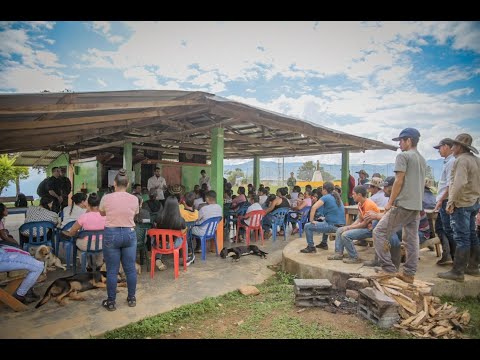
(191, 174)
(62, 160)
(85, 172)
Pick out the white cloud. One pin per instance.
(102, 83)
(26, 79)
(451, 74)
(104, 28)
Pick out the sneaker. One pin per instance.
(160, 265)
(336, 256)
(132, 302)
(191, 260)
(24, 299)
(322, 246)
(308, 250)
(406, 278)
(351, 260)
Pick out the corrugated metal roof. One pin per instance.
(36, 158)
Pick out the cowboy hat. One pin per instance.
(429, 184)
(465, 140)
(376, 181)
(176, 189)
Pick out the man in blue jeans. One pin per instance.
(442, 225)
(463, 205)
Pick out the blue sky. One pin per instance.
(366, 78)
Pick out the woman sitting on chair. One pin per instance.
(91, 220)
(170, 218)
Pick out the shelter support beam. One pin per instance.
(127, 162)
(256, 171)
(216, 181)
(345, 175)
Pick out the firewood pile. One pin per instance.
(421, 314)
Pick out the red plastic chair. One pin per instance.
(255, 225)
(166, 238)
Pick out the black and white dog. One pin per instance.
(238, 251)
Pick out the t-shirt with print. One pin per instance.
(414, 166)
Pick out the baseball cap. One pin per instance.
(408, 133)
(389, 181)
(442, 142)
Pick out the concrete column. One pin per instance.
(127, 162)
(345, 175)
(256, 171)
(216, 179)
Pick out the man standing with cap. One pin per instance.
(403, 207)
(157, 183)
(463, 205)
(442, 225)
(362, 177)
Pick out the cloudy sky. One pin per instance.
(366, 78)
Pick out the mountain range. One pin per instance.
(269, 170)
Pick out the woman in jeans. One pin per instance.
(119, 240)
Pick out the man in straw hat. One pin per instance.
(463, 205)
(442, 225)
(403, 207)
(375, 187)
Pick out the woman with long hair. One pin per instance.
(332, 213)
(120, 240)
(170, 218)
(5, 237)
(78, 207)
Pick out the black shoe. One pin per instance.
(190, 259)
(132, 302)
(322, 246)
(109, 305)
(24, 299)
(308, 250)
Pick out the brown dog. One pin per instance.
(45, 254)
(70, 286)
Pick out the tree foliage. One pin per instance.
(305, 172)
(232, 175)
(9, 172)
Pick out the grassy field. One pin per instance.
(270, 315)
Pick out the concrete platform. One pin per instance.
(84, 319)
(316, 265)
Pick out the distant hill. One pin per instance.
(270, 170)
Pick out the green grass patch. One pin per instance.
(270, 315)
(472, 304)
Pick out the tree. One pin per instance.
(429, 172)
(326, 175)
(305, 172)
(9, 172)
(232, 175)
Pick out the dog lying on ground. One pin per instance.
(70, 287)
(238, 251)
(138, 269)
(45, 254)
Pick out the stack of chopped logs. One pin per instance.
(421, 314)
(312, 292)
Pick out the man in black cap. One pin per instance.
(463, 205)
(442, 225)
(403, 207)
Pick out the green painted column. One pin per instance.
(127, 162)
(345, 175)
(256, 171)
(138, 173)
(216, 178)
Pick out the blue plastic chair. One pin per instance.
(38, 240)
(67, 243)
(98, 234)
(278, 219)
(300, 220)
(210, 233)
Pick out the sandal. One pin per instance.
(109, 305)
(132, 301)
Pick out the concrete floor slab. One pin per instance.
(316, 265)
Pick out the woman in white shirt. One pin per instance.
(79, 207)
